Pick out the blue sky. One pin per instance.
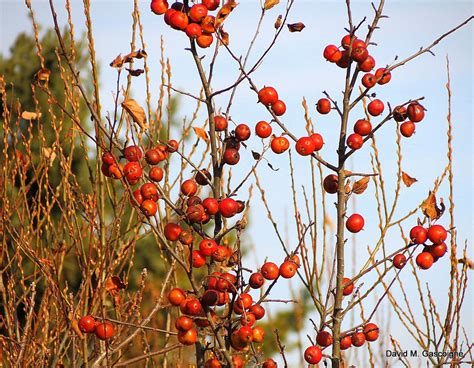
(296, 68)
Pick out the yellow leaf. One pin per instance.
(270, 4)
(28, 115)
(360, 186)
(201, 133)
(408, 180)
(135, 111)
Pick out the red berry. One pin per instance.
(369, 80)
(348, 286)
(159, 7)
(228, 207)
(270, 271)
(268, 96)
(415, 112)
(305, 146)
(407, 128)
(176, 296)
(263, 129)
(256, 280)
(323, 106)
(367, 65)
(198, 259)
(104, 330)
(211, 205)
(355, 141)
(371, 332)
(288, 269)
(156, 174)
(187, 337)
(279, 145)
(220, 123)
(279, 108)
(399, 261)
(204, 40)
(358, 339)
(211, 4)
(400, 113)
(197, 12)
(231, 156)
(363, 127)
(332, 53)
(355, 223)
(383, 76)
(330, 183)
(375, 107)
(189, 187)
(87, 324)
(424, 260)
(438, 250)
(172, 231)
(437, 234)
(178, 20)
(184, 323)
(418, 235)
(346, 342)
(242, 132)
(359, 54)
(193, 30)
(207, 247)
(258, 311)
(108, 158)
(317, 140)
(324, 338)
(132, 171)
(313, 355)
(133, 153)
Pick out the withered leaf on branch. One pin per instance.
(43, 75)
(30, 115)
(408, 180)
(117, 62)
(135, 72)
(278, 22)
(270, 4)
(271, 167)
(296, 27)
(224, 37)
(201, 133)
(113, 284)
(224, 12)
(360, 186)
(136, 112)
(256, 155)
(469, 263)
(430, 207)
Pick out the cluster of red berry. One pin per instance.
(437, 234)
(356, 50)
(103, 330)
(147, 195)
(194, 21)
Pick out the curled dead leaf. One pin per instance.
(430, 207)
(201, 133)
(361, 185)
(296, 27)
(224, 37)
(136, 112)
(408, 180)
(256, 155)
(469, 263)
(117, 62)
(114, 284)
(224, 12)
(278, 22)
(29, 115)
(270, 4)
(135, 72)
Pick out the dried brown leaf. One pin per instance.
(117, 62)
(224, 12)
(360, 186)
(296, 27)
(135, 72)
(113, 284)
(430, 207)
(278, 22)
(201, 133)
(136, 112)
(224, 37)
(408, 180)
(469, 263)
(29, 115)
(270, 4)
